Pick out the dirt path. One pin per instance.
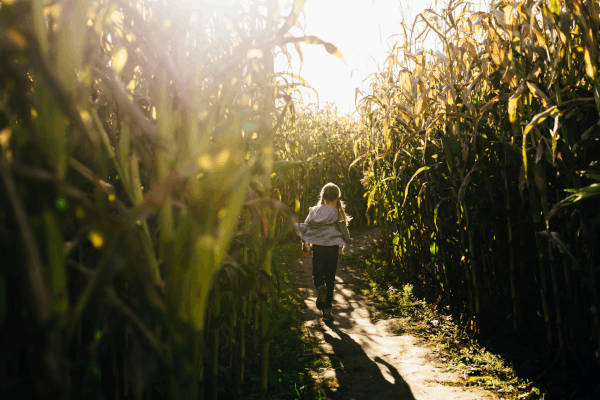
(368, 361)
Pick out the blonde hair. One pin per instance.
(331, 192)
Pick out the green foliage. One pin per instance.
(314, 147)
(137, 222)
(452, 344)
(293, 357)
(485, 171)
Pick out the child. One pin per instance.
(325, 229)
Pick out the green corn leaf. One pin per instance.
(419, 171)
(555, 6)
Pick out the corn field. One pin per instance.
(485, 167)
(152, 160)
(314, 146)
(137, 213)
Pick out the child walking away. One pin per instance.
(325, 230)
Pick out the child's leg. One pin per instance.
(318, 261)
(330, 267)
(319, 274)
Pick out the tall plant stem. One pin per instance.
(39, 292)
(511, 255)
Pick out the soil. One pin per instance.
(368, 360)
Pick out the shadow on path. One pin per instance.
(368, 361)
(350, 361)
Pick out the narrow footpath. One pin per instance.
(368, 360)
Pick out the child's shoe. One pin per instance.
(321, 295)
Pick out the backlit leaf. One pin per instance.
(119, 59)
(513, 104)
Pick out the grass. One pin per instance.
(453, 345)
(294, 361)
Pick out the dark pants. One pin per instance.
(325, 260)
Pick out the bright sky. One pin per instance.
(364, 31)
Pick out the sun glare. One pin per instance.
(364, 31)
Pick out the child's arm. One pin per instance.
(310, 212)
(302, 226)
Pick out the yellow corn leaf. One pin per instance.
(513, 103)
(539, 93)
(119, 59)
(450, 99)
(498, 54)
(421, 104)
(117, 17)
(131, 85)
(422, 169)
(405, 82)
(590, 69)
(555, 6)
(539, 36)
(5, 135)
(96, 239)
(508, 15)
(329, 47)
(539, 118)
